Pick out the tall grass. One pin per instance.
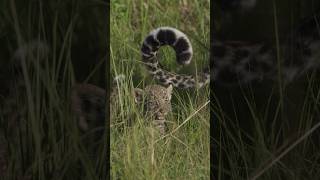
(137, 150)
(46, 143)
(268, 130)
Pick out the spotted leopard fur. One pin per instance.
(158, 97)
(156, 100)
(181, 44)
(239, 62)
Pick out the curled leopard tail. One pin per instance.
(181, 44)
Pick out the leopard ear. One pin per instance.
(169, 90)
(138, 95)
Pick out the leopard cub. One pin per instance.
(156, 100)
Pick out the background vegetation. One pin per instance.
(266, 130)
(58, 43)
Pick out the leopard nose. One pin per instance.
(162, 111)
